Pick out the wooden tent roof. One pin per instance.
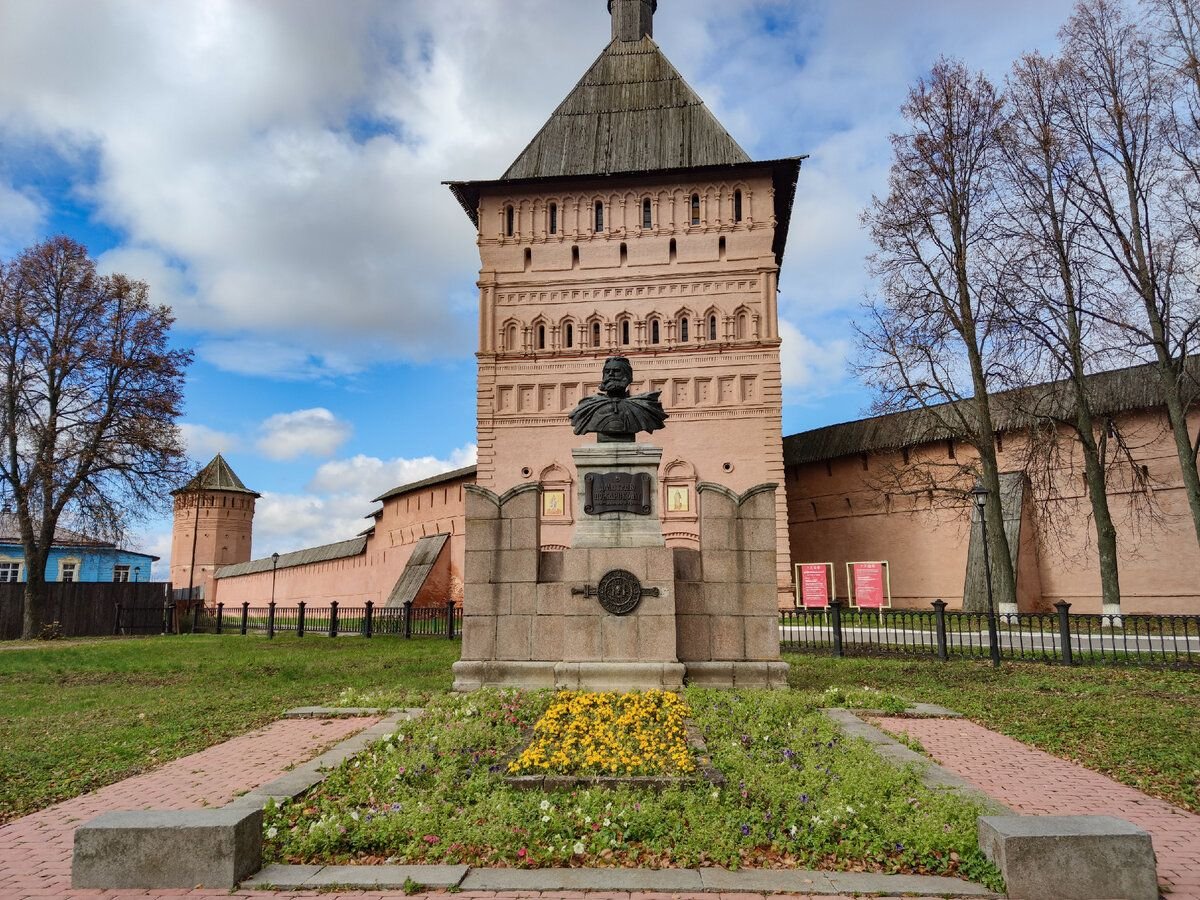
(216, 476)
(631, 112)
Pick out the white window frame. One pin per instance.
(65, 565)
(125, 570)
(7, 566)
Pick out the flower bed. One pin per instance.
(799, 795)
(606, 734)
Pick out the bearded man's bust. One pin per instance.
(613, 415)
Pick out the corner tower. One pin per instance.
(214, 522)
(633, 224)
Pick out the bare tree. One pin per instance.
(1057, 302)
(90, 393)
(932, 339)
(1120, 109)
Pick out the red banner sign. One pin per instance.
(868, 585)
(814, 585)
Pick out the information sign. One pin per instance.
(815, 580)
(870, 586)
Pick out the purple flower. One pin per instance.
(745, 831)
(899, 848)
(788, 755)
(803, 799)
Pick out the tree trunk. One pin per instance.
(1177, 415)
(35, 595)
(1106, 532)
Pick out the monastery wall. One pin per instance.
(848, 509)
(372, 574)
(218, 526)
(681, 277)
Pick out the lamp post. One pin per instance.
(980, 495)
(137, 574)
(274, 565)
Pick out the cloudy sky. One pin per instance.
(273, 170)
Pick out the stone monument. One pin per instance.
(619, 610)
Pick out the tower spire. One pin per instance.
(632, 20)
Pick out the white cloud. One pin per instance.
(305, 432)
(810, 369)
(338, 498)
(22, 215)
(203, 443)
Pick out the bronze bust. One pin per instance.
(614, 416)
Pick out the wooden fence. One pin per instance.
(82, 609)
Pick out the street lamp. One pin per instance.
(980, 495)
(274, 565)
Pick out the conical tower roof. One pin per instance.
(216, 476)
(631, 112)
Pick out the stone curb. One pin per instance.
(347, 712)
(663, 880)
(932, 775)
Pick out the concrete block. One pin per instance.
(720, 599)
(582, 639)
(687, 564)
(603, 561)
(721, 567)
(762, 637)
(478, 567)
(516, 566)
(484, 599)
(689, 598)
(728, 639)
(693, 638)
(717, 533)
(216, 848)
(523, 505)
(620, 636)
(386, 877)
(759, 600)
(554, 599)
(757, 534)
(760, 675)
(512, 638)
(619, 676)
(575, 567)
(656, 638)
(524, 534)
(479, 637)
(548, 637)
(480, 507)
(762, 567)
(484, 535)
(660, 564)
(710, 674)
(1070, 857)
(760, 506)
(524, 599)
(550, 565)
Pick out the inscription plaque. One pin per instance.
(617, 492)
(619, 591)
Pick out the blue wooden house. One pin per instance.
(74, 557)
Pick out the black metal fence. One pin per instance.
(1059, 637)
(406, 621)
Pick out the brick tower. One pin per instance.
(633, 224)
(214, 522)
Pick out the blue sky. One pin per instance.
(273, 171)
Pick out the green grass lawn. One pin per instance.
(1138, 725)
(77, 716)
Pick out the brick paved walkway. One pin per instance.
(1031, 781)
(35, 852)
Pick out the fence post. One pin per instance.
(220, 617)
(166, 625)
(939, 615)
(1064, 632)
(300, 621)
(408, 605)
(333, 623)
(117, 626)
(835, 609)
(271, 619)
(245, 615)
(368, 619)
(196, 616)
(450, 619)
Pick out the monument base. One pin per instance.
(615, 530)
(575, 676)
(769, 675)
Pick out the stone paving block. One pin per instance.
(288, 878)
(919, 885)
(767, 881)
(1070, 857)
(582, 880)
(387, 877)
(168, 849)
